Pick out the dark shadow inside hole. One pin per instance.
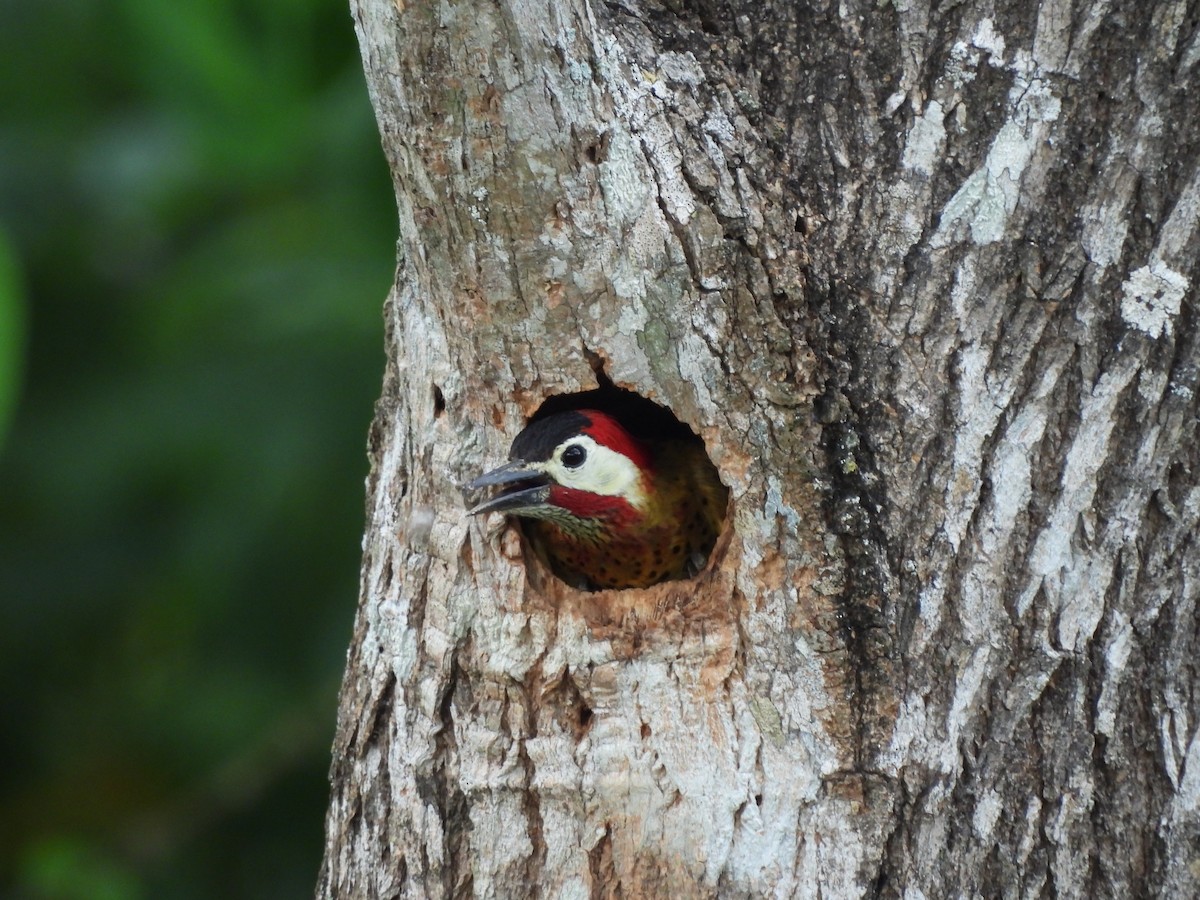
(641, 417)
(439, 402)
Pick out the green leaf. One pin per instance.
(70, 869)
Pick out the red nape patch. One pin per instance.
(586, 505)
(607, 431)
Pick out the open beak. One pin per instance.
(524, 486)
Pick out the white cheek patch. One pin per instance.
(604, 472)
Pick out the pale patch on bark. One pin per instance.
(1151, 296)
(989, 196)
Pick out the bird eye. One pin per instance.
(574, 456)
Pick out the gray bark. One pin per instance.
(924, 280)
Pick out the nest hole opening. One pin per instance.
(688, 502)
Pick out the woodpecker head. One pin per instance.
(606, 509)
(580, 470)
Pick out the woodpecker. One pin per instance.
(607, 509)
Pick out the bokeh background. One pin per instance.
(197, 232)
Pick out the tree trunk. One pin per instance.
(923, 279)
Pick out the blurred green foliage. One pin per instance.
(12, 333)
(197, 232)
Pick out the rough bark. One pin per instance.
(924, 280)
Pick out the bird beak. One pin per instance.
(530, 487)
